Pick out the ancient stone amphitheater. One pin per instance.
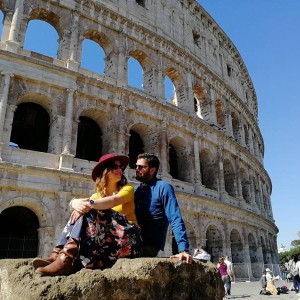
(57, 118)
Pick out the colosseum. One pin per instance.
(57, 117)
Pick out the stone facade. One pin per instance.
(208, 131)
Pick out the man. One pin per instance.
(156, 208)
(230, 273)
(270, 282)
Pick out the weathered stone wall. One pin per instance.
(222, 186)
(128, 279)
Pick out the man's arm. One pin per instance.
(173, 214)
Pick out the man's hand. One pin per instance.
(183, 256)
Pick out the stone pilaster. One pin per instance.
(72, 62)
(13, 43)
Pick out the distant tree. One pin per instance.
(296, 243)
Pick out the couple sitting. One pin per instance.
(116, 221)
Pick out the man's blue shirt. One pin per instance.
(156, 207)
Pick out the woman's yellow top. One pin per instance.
(128, 207)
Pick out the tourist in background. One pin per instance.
(230, 273)
(224, 274)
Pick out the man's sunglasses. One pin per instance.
(140, 167)
(116, 167)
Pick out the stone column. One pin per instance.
(122, 134)
(164, 150)
(66, 158)
(238, 179)
(228, 119)
(189, 104)
(3, 104)
(46, 240)
(251, 146)
(212, 117)
(72, 62)
(160, 81)
(6, 26)
(198, 180)
(13, 43)
(222, 191)
(122, 67)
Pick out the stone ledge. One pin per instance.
(132, 279)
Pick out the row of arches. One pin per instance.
(21, 240)
(164, 80)
(31, 127)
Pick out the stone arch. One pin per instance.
(247, 138)
(252, 248)
(103, 120)
(102, 40)
(229, 178)
(179, 159)
(236, 246)
(264, 250)
(138, 134)
(19, 239)
(208, 168)
(178, 82)
(236, 127)
(201, 103)
(147, 76)
(30, 127)
(214, 242)
(245, 185)
(220, 114)
(89, 139)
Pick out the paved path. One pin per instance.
(250, 290)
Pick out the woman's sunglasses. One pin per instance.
(116, 167)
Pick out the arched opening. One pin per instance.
(18, 233)
(173, 162)
(89, 140)
(136, 147)
(220, 114)
(93, 56)
(236, 127)
(170, 92)
(245, 186)
(208, 170)
(201, 104)
(42, 38)
(30, 128)
(229, 178)
(264, 250)
(236, 247)
(135, 74)
(246, 136)
(252, 248)
(214, 243)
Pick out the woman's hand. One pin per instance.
(82, 206)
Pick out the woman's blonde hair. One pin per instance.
(102, 181)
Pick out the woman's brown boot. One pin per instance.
(65, 263)
(43, 262)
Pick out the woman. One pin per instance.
(96, 235)
(224, 274)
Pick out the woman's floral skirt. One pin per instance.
(103, 236)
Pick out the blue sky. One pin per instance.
(266, 33)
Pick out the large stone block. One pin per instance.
(134, 279)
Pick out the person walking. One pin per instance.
(230, 273)
(222, 266)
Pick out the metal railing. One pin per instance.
(18, 246)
